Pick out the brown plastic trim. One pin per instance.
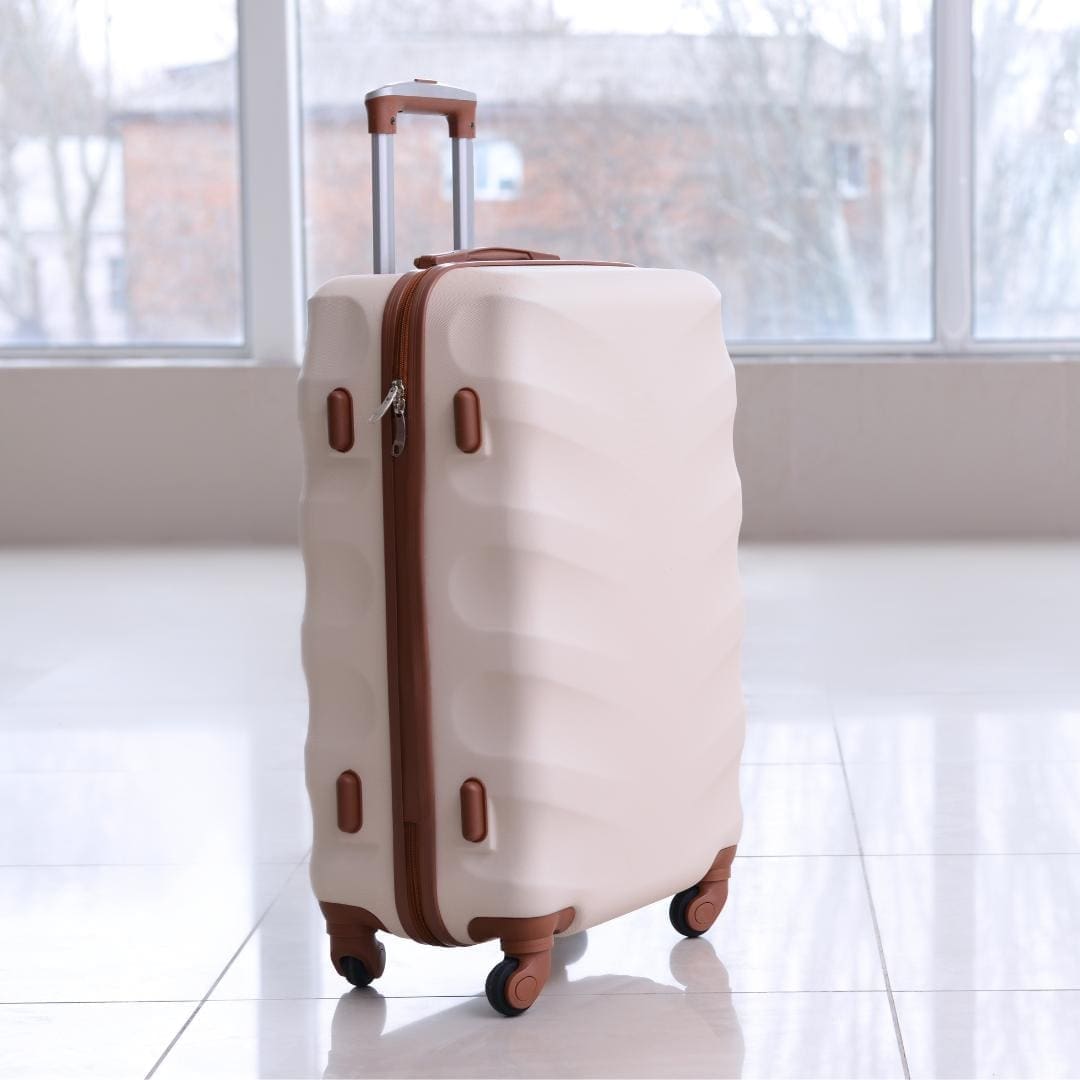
(519, 931)
(529, 941)
(485, 254)
(406, 636)
(473, 811)
(382, 113)
(339, 420)
(468, 429)
(352, 933)
(350, 802)
(712, 891)
(407, 656)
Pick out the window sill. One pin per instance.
(166, 363)
(884, 354)
(741, 354)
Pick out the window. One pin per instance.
(784, 150)
(117, 284)
(898, 177)
(1027, 168)
(849, 170)
(498, 170)
(119, 173)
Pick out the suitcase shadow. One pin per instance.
(579, 1027)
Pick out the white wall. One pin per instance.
(911, 449)
(880, 448)
(148, 453)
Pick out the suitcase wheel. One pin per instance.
(355, 970)
(499, 991)
(679, 913)
(694, 910)
(517, 980)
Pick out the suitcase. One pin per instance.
(523, 618)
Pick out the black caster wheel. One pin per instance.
(355, 970)
(677, 912)
(497, 987)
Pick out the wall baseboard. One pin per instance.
(885, 449)
(123, 454)
(910, 449)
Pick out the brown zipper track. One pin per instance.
(407, 658)
(401, 370)
(406, 640)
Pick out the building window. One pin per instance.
(117, 283)
(849, 169)
(498, 170)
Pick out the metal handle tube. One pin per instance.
(461, 167)
(382, 199)
(420, 96)
(382, 203)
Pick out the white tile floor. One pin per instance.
(907, 896)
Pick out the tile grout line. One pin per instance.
(670, 992)
(873, 909)
(228, 964)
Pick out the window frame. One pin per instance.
(271, 212)
(269, 118)
(952, 311)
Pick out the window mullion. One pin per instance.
(269, 125)
(953, 174)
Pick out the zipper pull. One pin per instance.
(399, 422)
(396, 391)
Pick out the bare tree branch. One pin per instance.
(49, 101)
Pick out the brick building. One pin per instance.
(734, 156)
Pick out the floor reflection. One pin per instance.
(586, 1030)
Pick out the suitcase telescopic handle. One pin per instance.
(419, 96)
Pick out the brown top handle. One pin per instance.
(484, 254)
(421, 96)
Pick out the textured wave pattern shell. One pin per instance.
(344, 630)
(584, 609)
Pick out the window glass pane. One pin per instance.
(781, 148)
(119, 173)
(1027, 161)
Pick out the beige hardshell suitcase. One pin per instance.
(523, 614)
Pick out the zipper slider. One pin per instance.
(396, 392)
(395, 399)
(399, 422)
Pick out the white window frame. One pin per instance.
(270, 127)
